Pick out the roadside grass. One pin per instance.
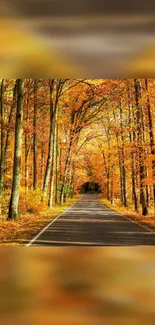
(31, 222)
(147, 221)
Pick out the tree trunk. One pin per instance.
(68, 156)
(56, 167)
(51, 195)
(72, 179)
(143, 118)
(123, 160)
(112, 186)
(11, 118)
(152, 141)
(140, 148)
(50, 150)
(26, 164)
(132, 137)
(27, 144)
(13, 208)
(2, 160)
(35, 150)
(42, 164)
(120, 162)
(67, 165)
(107, 170)
(108, 179)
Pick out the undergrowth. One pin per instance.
(33, 216)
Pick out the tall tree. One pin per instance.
(140, 138)
(50, 143)
(132, 137)
(35, 149)
(57, 165)
(123, 158)
(53, 165)
(10, 121)
(2, 160)
(14, 200)
(152, 140)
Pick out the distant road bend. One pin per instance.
(88, 222)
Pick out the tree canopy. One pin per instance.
(59, 134)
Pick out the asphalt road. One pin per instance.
(88, 222)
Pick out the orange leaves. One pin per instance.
(97, 132)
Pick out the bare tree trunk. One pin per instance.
(72, 179)
(152, 141)
(132, 137)
(42, 163)
(68, 157)
(27, 141)
(143, 119)
(51, 195)
(123, 160)
(107, 170)
(11, 118)
(67, 165)
(26, 164)
(13, 208)
(120, 162)
(134, 174)
(108, 179)
(140, 148)
(56, 167)
(49, 159)
(60, 171)
(35, 149)
(2, 160)
(121, 176)
(112, 185)
(64, 177)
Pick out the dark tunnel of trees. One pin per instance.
(90, 187)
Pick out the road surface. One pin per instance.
(89, 222)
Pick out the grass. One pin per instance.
(147, 221)
(13, 233)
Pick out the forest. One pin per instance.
(58, 134)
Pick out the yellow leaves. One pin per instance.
(14, 233)
(31, 202)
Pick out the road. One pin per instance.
(88, 222)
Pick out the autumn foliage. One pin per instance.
(58, 134)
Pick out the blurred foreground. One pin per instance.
(86, 40)
(77, 286)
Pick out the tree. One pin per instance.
(14, 200)
(2, 160)
(151, 134)
(35, 149)
(50, 144)
(76, 131)
(140, 139)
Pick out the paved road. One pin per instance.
(88, 222)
